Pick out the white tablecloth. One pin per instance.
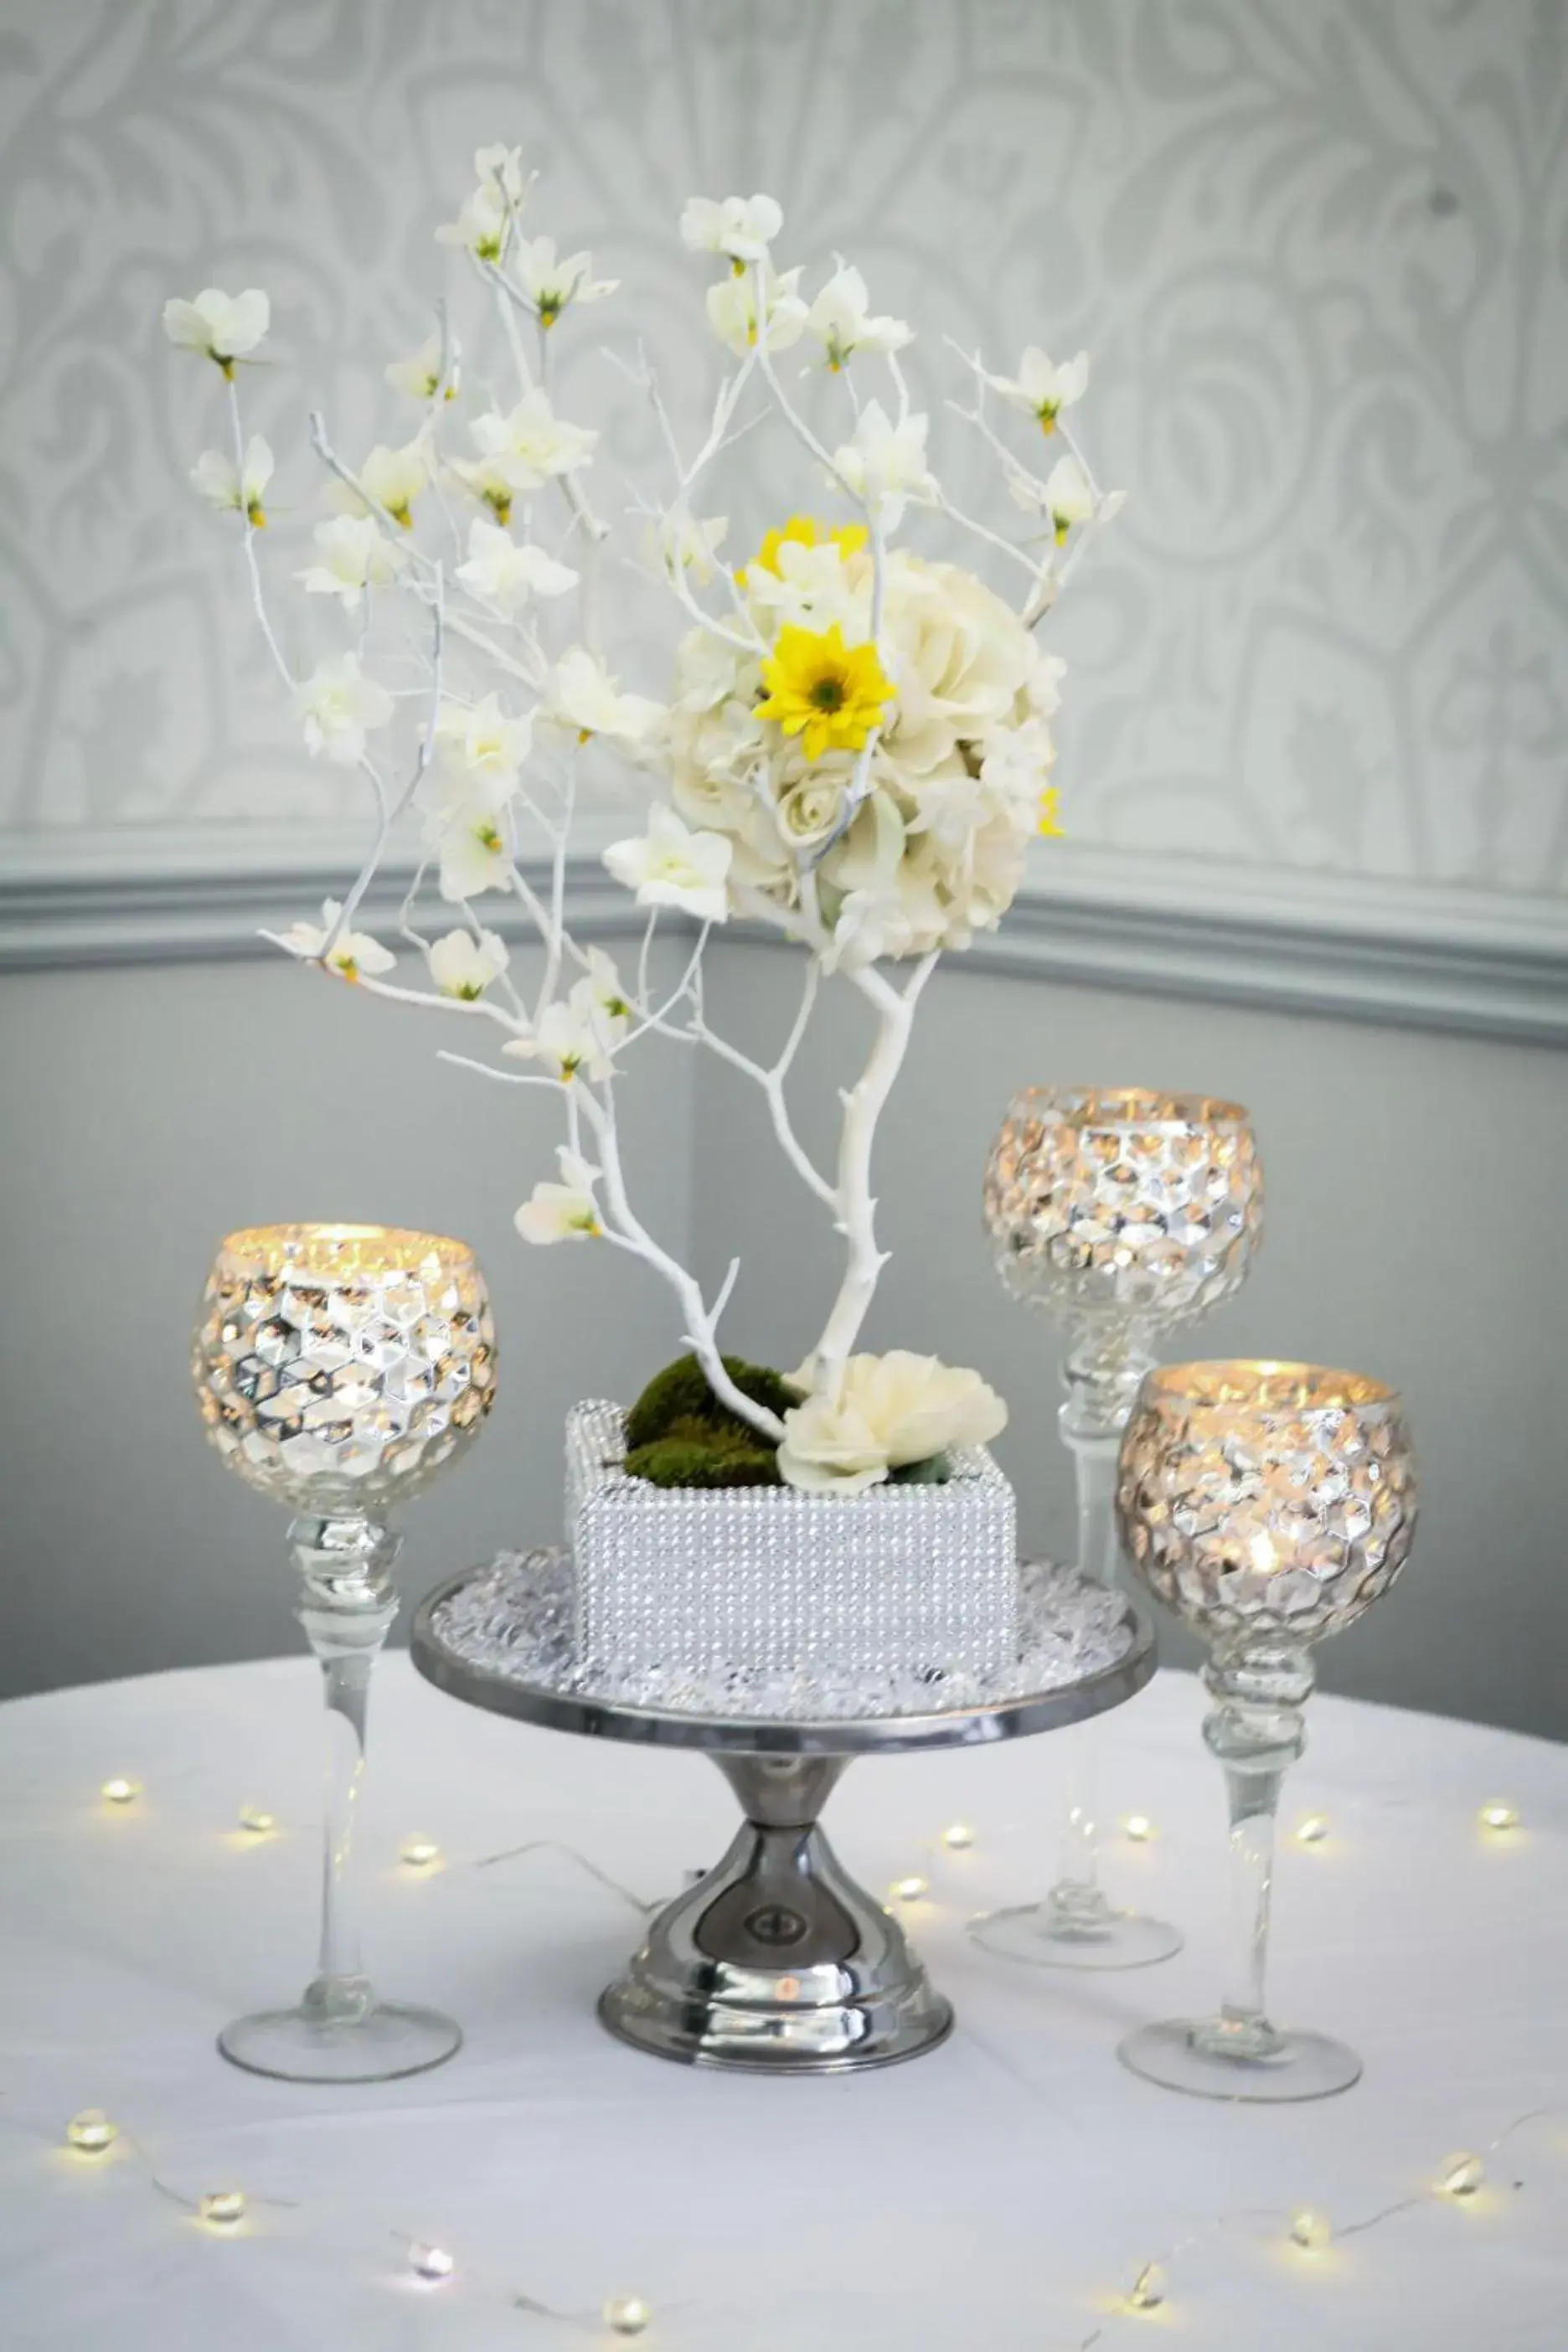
(1002, 2192)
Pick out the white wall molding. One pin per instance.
(1447, 959)
(169, 898)
(1472, 961)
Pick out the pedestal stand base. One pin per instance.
(776, 1962)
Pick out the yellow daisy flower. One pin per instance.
(828, 693)
(804, 530)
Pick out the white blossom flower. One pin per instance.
(389, 478)
(222, 327)
(355, 554)
(894, 1410)
(583, 697)
(336, 706)
(566, 1211)
(501, 167)
(741, 228)
(463, 966)
(601, 992)
(1068, 497)
(504, 573)
(681, 543)
(733, 311)
(839, 320)
(551, 285)
(672, 866)
(419, 375)
(481, 227)
(354, 953)
(470, 833)
(530, 445)
(568, 1039)
(485, 743)
(240, 488)
(885, 464)
(1043, 387)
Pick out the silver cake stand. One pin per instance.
(776, 1962)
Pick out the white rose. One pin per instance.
(895, 1409)
(808, 811)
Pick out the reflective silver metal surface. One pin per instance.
(776, 1961)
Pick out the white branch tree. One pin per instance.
(855, 753)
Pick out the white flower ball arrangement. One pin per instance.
(852, 747)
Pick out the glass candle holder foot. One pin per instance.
(303, 2045)
(1196, 2055)
(1058, 1933)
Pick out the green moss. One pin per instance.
(680, 1393)
(694, 1452)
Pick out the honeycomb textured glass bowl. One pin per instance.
(1275, 1499)
(338, 1367)
(1116, 1203)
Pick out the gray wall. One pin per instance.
(1414, 1231)
(147, 1112)
(1414, 1189)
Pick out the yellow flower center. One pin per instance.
(488, 838)
(500, 503)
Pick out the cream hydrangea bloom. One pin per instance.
(935, 850)
(895, 1409)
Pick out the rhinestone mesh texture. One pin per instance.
(896, 1580)
(1287, 1518)
(1122, 1205)
(341, 1390)
(518, 1619)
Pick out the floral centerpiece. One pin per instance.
(852, 748)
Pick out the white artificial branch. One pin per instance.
(863, 1106)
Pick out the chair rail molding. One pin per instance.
(1427, 956)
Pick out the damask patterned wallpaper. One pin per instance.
(1319, 251)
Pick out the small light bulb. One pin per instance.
(1499, 1815)
(419, 1853)
(1139, 1828)
(120, 1792)
(1460, 2174)
(907, 1890)
(253, 1819)
(628, 2314)
(1310, 2230)
(91, 2132)
(432, 2262)
(1148, 2289)
(222, 2207)
(956, 1836)
(1312, 1830)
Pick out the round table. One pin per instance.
(1005, 2192)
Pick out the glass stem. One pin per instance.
(1102, 1377)
(1256, 1730)
(347, 1606)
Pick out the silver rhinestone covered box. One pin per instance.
(899, 1579)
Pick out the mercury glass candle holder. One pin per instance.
(1268, 1505)
(1122, 1213)
(338, 1369)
